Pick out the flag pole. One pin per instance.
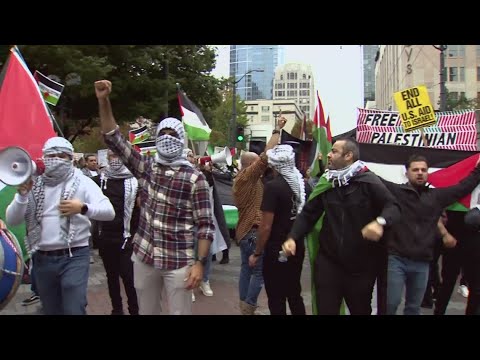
(54, 120)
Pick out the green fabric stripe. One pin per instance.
(313, 240)
(197, 134)
(457, 207)
(6, 196)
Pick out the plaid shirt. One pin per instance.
(175, 201)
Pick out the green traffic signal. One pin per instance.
(240, 138)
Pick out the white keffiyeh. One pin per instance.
(117, 171)
(342, 177)
(282, 159)
(170, 148)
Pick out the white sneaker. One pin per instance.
(206, 289)
(463, 290)
(193, 297)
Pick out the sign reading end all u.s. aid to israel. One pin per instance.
(415, 108)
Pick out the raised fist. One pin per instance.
(103, 88)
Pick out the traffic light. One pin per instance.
(240, 134)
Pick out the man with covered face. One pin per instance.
(114, 237)
(176, 203)
(57, 208)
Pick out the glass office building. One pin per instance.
(256, 85)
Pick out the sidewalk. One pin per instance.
(224, 283)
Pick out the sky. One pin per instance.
(338, 74)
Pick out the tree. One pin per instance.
(460, 103)
(143, 77)
(221, 118)
(454, 102)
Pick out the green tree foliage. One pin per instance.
(460, 103)
(144, 80)
(221, 117)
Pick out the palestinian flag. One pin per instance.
(321, 143)
(148, 148)
(51, 90)
(25, 122)
(138, 135)
(195, 125)
(446, 167)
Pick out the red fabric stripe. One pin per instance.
(24, 119)
(453, 174)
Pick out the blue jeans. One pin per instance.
(33, 282)
(251, 279)
(412, 274)
(62, 282)
(207, 268)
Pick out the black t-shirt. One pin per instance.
(279, 199)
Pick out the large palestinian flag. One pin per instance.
(195, 125)
(24, 121)
(446, 167)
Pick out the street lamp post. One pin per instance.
(443, 89)
(234, 105)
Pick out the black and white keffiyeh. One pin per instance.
(282, 159)
(116, 170)
(170, 148)
(35, 208)
(342, 177)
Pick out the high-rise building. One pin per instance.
(400, 67)
(369, 54)
(244, 58)
(295, 82)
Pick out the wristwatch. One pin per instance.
(381, 220)
(202, 260)
(84, 209)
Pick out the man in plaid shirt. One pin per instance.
(176, 201)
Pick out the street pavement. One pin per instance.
(224, 283)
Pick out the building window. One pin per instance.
(478, 72)
(265, 118)
(304, 76)
(456, 50)
(478, 50)
(478, 97)
(251, 108)
(265, 108)
(452, 74)
(281, 77)
(251, 118)
(292, 76)
(453, 95)
(462, 74)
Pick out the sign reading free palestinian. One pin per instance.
(415, 108)
(454, 130)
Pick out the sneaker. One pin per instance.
(206, 289)
(463, 290)
(193, 297)
(225, 260)
(33, 299)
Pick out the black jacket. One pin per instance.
(414, 236)
(112, 231)
(347, 210)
